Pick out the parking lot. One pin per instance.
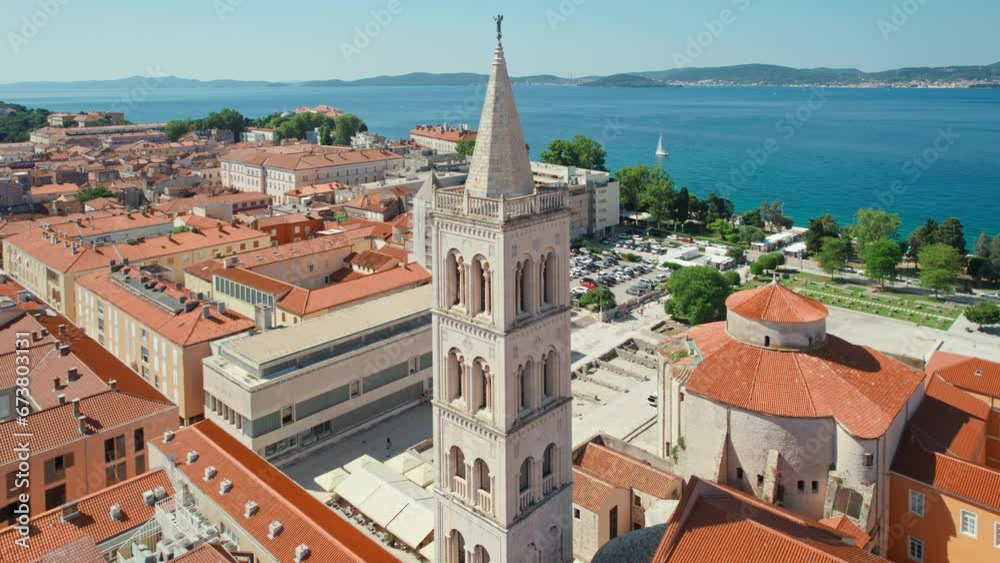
(627, 280)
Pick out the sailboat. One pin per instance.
(660, 151)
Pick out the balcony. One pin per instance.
(460, 487)
(456, 200)
(485, 501)
(548, 483)
(524, 500)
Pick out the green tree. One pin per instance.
(871, 225)
(600, 297)
(773, 215)
(983, 312)
(87, 194)
(750, 233)
(465, 148)
(632, 182)
(834, 254)
(820, 228)
(717, 208)
(732, 278)
(680, 207)
(981, 247)
(657, 196)
(325, 135)
(940, 265)
(17, 122)
(756, 268)
(226, 118)
(924, 235)
(995, 257)
(580, 151)
(177, 128)
(753, 218)
(720, 227)
(770, 261)
(348, 125)
(881, 258)
(952, 233)
(697, 294)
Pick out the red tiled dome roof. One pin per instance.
(777, 304)
(859, 387)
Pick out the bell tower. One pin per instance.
(502, 402)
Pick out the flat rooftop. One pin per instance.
(281, 343)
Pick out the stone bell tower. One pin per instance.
(502, 418)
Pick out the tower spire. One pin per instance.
(500, 161)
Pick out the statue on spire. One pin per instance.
(499, 20)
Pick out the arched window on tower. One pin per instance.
(481, 555)
(547, 278)
(455, 278)
(456, 376)
(456, 547)
(457, 462)
(524, 476)
(549, 368)
(548, 476)
(482, 281)
(525, 287)
(525, 386)
(482, 387)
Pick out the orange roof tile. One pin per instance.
(373, 260)
(844, 525)
(626, 472)
(49, 531)
(54, 189)
(206, 553)
(776, 303)
(47, 363)
(305, 157)
(859, 387)
(723, 524)
(973, 374)
(303, 302)
(263, 256)
(56, 426)
(444, 133)
(950, 420)
(590, 491)
(951, 475)
(304, 518)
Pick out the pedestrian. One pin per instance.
(388, 443)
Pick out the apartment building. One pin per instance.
(238, 202)
(285, 391)
(441, 138)
(47, 261)
(276, 171)
(289, 227)
(78, 447)
(160, 331)
(594, 198)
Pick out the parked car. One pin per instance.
(578, 291)
(588, 284)
(661, 278)
(653, 399)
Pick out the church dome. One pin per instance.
(776, 304)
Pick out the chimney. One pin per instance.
(167, 436)
(148, 497)
(62, 330)
(160, 492)
(225, 486)
(61, 397)
(301, 553)
(263, 318)
(55, 383)
(209, 473)
(44, 332)
(115, 512)
(72, 374)
(274, 529)
(206, 311)
(64, 350)
(250, 509)
(82, 422)
(113, 384)
(192, 456)
(76, 407)
(221, 307)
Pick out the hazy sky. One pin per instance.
(314, 39)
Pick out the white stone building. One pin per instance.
(594, 198)
(442, 139)
(769, 403)
(502, 400)
(279, 170)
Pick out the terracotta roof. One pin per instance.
(304, 302)
(264, 223)
(316, 189)
(444, 133)
(263, 256)
(206, 553)
(590, 491)
(859, 387)
(100, 203)
(966, 480)
(776, 303)
(56, 427)
(305, 519)
(49, 532)
(54, 189)
(185, 328)
(961, 371)
(258, 281)
(186, 204)
(624, 471)
(717, 523)
(110, 224)
(308, 157)
(373, 260)
(377, 201)
(844, 525)
(951, 421)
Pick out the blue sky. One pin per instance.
(308, 39)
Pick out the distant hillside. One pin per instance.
(17, 121)
(624, 81)
(741, 75)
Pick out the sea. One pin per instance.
(917, 152)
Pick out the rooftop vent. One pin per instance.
(167, 436)
(69, 511)
(72, 374)
(301, 552)
(225, 486)
(148, 497)
(113, 384)
(192, 456)
(250, 509)
(209, 473)
(160, 493)
(115, 512)
(979, 373)
(274, 529)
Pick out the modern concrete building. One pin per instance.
(286, 391)
(502, 402)
(594, 198)
(769, 403)
(276, 171)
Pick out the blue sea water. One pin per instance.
(918, 152)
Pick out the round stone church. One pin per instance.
(768, 402)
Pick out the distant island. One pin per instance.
(627, 81)
(738, 75)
